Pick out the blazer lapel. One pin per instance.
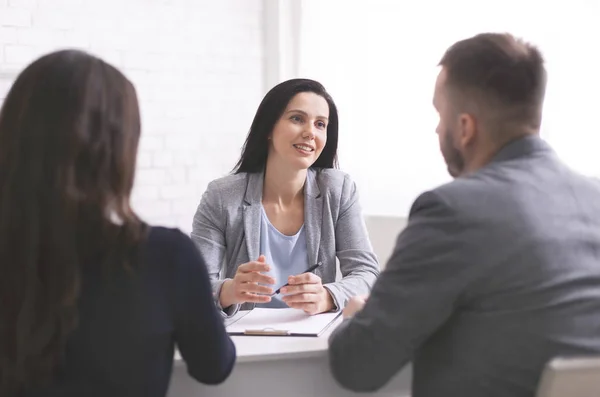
(313, 215)
(252, 203)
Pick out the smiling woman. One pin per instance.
(284, 209)
(300, 135)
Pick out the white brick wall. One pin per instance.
(198, 69)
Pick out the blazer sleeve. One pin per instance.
(413, 297)
(208, 234)
(200, 335)
(358, 263)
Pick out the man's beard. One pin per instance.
(455, 161)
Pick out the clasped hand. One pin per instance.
(305, 291)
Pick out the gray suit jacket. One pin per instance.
(226, 229)
(496, 273)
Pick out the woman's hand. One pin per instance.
(244, 287)
(306, 292)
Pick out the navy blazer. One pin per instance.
(129, 325)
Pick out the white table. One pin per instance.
(280, 367)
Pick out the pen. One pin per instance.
(310, 269)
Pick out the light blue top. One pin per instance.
(287, 256)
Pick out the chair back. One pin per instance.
(571, 377)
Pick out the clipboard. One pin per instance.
(280, 322)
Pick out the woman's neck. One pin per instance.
(282, 185)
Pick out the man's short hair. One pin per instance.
(498, 74)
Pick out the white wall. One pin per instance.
(202, 67)
(198, 69)
(378, 59)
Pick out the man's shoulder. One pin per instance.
(472, 196)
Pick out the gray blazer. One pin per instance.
(496, 273)
(226, 230)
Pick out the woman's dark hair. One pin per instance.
(256, 147)
(69, 131)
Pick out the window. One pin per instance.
(378, 59)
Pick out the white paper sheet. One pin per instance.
(293, 321)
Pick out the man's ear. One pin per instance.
(467, 125)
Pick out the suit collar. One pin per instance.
(313, 216)
(254, 188)
(522, 147)
(311, 187)
(252, 205)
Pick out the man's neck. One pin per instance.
(486, 153)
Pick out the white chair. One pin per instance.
(383, 232)
(571, 377)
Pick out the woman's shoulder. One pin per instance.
(166, 239)
(163, 233)
(334, 181)
(230, 183)
(169, 245)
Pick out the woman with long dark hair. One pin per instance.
(93, 300)
(285, 209)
